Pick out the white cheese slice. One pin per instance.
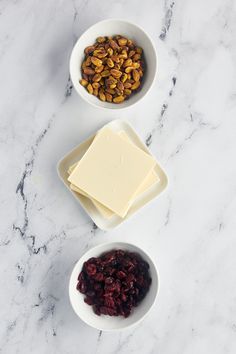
(107, 213)
(112, 170)
(151, 179)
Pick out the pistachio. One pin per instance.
(90, 89)
(83, 82)
(113, 44)
(124, 77)
(99, 69)
(110, 51)
(115, 58)
(102, 95)
(111, 91)
(118, 99)
(118, 92)
(110, 81)
(89, 49)
(108, 97)
(122, 41)
(85, 76)
(97, 77)
(124, 54)
(129, 42)
(95, 85)
(101, 39)
(105, 73)
(136, 57)
(100, 53)
(88, 61)
(129, 69)
(136, 65)
(110, 63)
(116, 73)
(127, 92)
(131, 53)
(128, 62)
(135, 85)
(139, 50)
(120, 85)
(135, 75)
(96, 61)
(112, 68)
(127, 85)
(89, 71)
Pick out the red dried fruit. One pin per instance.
(81, 286)
(109, 271)
(109, 302)
(115, 282)
(123, 297)
(90, 293)
(81, 276)
(92, 260)
(109, 280)
(88, 300)
(109, 288)
(120, 274)
(99, 277)
(91, 269)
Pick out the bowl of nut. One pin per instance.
(113, 64)
(113, 286)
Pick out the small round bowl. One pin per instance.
(115, 323)
(109, 28)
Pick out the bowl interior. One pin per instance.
(107, 323)
(109, 28)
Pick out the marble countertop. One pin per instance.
(188, 120)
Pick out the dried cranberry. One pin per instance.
(109, 271)
(120, 253)
(88, 300)
(130, 277)
(92, 260)
(90, 293)
(109, 280)
(123, 297)
(99, 277)
(109, 302)
(97, 286)
(96, 309)
(91, 269)
(120, 274)
(81, 276)
(115, 282)
(107, 311)
(82, 287)
(110, 287)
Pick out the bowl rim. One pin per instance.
(110, 244)
(111, 107)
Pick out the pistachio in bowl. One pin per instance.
(113, 68)
(99, 74)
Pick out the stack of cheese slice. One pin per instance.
(113, 173)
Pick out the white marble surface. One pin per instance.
(189, 121)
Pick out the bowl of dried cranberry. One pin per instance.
(113, 286)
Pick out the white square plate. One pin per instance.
(77, 153)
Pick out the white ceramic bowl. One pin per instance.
(107, 323)
(109, 28)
